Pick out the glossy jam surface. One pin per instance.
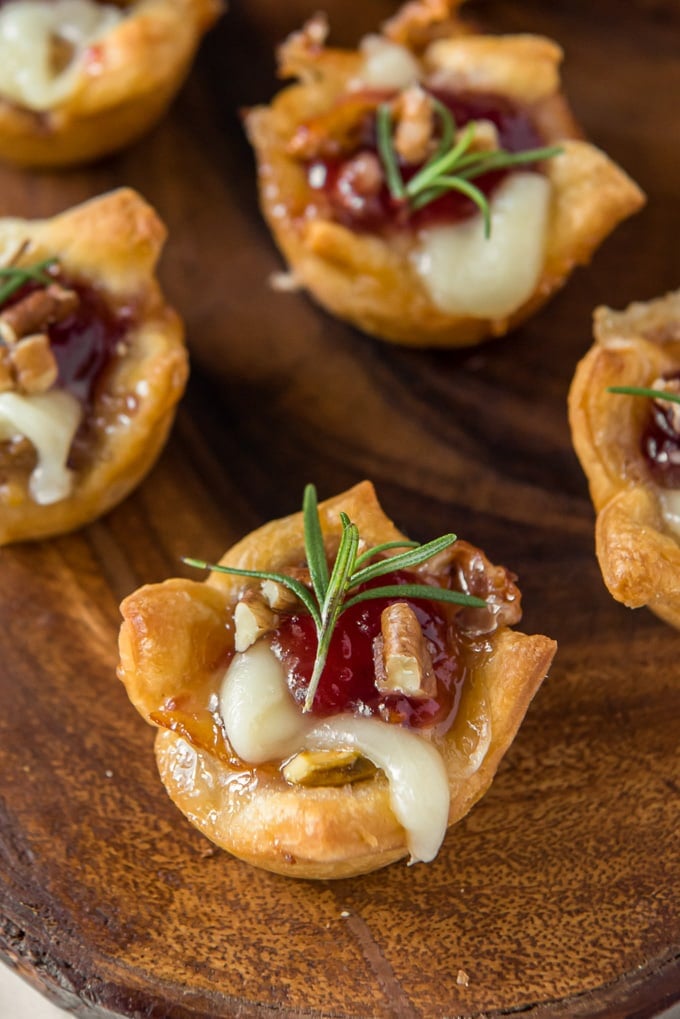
(86, 340)
(661, 441)
(376, 212)
(84, 343)
(348, 680)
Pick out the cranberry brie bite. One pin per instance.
(624, 411)
(333, 696)
(431, 188)
(82, 78)
(92, 363)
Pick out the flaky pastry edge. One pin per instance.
(638, 554)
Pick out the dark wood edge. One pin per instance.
(57, 975)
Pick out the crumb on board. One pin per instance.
(284, 282)
(207, 851)
(462, 979)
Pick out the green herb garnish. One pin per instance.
(652, 394)
(331, 588)
(16, 276)
(452, 167)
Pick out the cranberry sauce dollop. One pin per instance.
(661, 440)
(348, 680)
(86, 340)
(365, 210)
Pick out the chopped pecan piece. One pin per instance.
(669, 407)
(300, 51)
(360, 177)
(402, 661)
(485, 137)
(253, 617)
(6, 374)
(36, 311)
(471, 572)
(415, 121)
(279, 597)
(34, 364)
(7, 334)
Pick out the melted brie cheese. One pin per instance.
(260, 718)
(386, 65)
(466, 273)
(419, 787)
(263, 723)
(42, 43)
(49, 421)
(670, 507)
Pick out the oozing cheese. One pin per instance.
(263, 723)
(386, 65)
(261, 719)
(466, 273)
(32, 32)
(670, 507)
(419, 788)
(49, 421)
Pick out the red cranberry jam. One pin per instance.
(348, 680)
(357, 203)
(661, 441)
(85, 340)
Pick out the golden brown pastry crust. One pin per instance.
(638, 552)
(370, 281)
(174, 638)
(129, 78)
(112, 242)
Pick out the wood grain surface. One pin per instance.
(558, 895)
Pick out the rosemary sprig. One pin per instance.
(331, 589)
(452, 166)
(652, 394)
(16, 276)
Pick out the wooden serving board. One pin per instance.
(558, 895)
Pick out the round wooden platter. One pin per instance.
(557, 895)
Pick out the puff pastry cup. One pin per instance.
(92, 363)
(427, 277)
(80, 79)
(629, 448)
(312, 814)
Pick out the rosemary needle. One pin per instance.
(453, 165)
(652, 394)
(15, 276)
(331, 593)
